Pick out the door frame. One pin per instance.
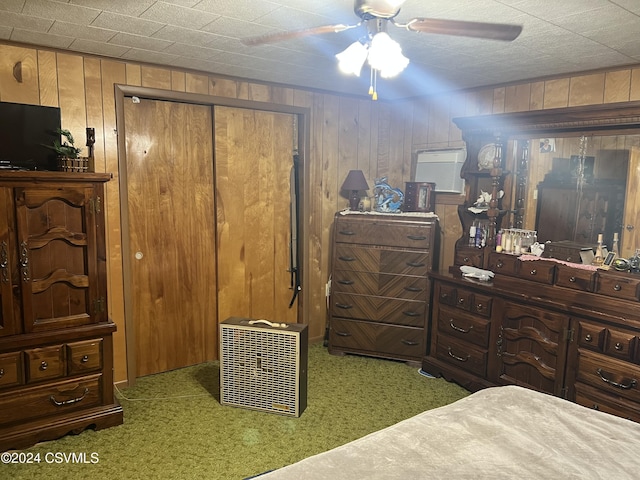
(303, 115)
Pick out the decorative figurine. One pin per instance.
(388, 199)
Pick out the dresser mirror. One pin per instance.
(550, 161)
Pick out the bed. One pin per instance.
(500, 432)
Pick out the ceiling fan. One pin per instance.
(383, 53)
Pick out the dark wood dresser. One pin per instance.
(56, 354)
(542, 324)
(379, 299)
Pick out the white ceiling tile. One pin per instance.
(559, 37)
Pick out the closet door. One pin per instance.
(253, 160)
(172, 253)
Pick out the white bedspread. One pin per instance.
(500, 432)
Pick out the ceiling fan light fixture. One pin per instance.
(351, 59)
(385, 55)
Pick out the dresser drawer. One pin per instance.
(380, 284)
(11, 372)
(609, 375)
(537, 271)
(618, 285)
(446, 294)
(464, 326)
(576, 278)
(84, 357)
(382, 260)
(461, 354)
(384, 233)
(50, 399)
(45, 363)
(591, 336)
(368, 337)
(379, 309)
(469, 256)
(597, 400)
(504, 263)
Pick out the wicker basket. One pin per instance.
(80, 164)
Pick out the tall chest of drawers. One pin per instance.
(379, 301)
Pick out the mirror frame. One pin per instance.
(478, 131)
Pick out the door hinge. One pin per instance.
(99, 305)
(568, 335)
(95, 205)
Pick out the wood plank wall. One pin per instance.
(347, 133)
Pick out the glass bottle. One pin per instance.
(472, 233)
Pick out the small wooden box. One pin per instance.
(419, 197)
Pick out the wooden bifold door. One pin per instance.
(208, 225)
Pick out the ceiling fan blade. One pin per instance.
(290, 34)
(492, 31)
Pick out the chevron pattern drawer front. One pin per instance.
(380, 290)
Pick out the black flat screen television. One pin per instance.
(24, 132)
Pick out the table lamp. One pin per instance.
(354, 182)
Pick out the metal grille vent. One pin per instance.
(262, 367)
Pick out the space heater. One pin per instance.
(263, 365)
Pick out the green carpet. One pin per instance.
(175, 427)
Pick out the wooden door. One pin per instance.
(10, 315)
(57, 235)
(169, 151)
(253, 157)
(532, 348)
(631, 226)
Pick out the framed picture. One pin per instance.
(547, 145)
(419, 197)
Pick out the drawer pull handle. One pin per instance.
(458, 329)
(572, 279)
(461, 301)
(415, 264)
(617, 287)
(588, 337)
(70, 401)
(444, 296)
(466, 260)
(1, 372)
(499, 264)
(416, 237)
(479, 307)
(632, 382)
(342, 334)
(618, 346)
(533, 272)
(409, 313)
(413, 289)
(346, 282)
(346, 232)
(410, 343)
(455, 357)
(84, 359)
(347, 259)
(44, 366)
(344, 306)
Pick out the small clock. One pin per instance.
(486, 155)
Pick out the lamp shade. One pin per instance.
(354, 182)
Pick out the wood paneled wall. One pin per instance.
(347, 133)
